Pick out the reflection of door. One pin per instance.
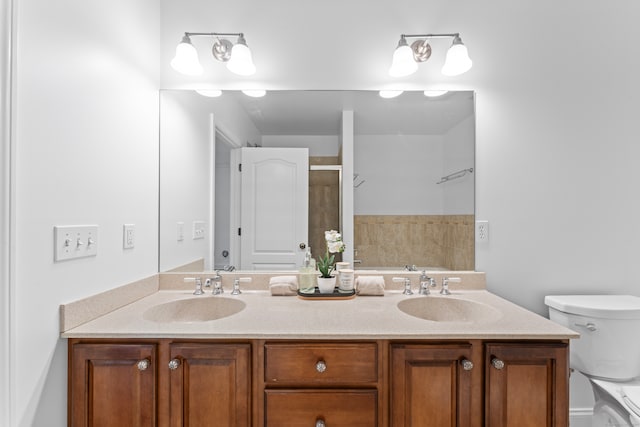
(274, 207)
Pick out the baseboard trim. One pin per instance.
(580, 417)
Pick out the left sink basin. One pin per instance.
(202, 309)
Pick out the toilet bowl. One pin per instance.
(607, 353)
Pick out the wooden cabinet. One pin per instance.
(318, 384)
(112, 385)
(527, 385)
(432, 385)
(210, 384)
(257, 383)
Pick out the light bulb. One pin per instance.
(390, 93)
(256, 93)
(434, 93)
(241, 62)
(457, 60)
(403, 63)
(186, 60)
(209, 93)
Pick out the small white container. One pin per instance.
(342, 265)
(345, 280)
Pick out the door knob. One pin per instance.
(302, 245)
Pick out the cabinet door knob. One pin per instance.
(174, 364)
(321, 366)
(497, 363)
(467, 364)
(143, 364)
(320, 423)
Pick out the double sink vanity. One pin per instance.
(152, 353)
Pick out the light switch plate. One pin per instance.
(198, 230)
(74, 241)
(180, 231)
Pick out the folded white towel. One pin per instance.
(370, 285)
(283, 285)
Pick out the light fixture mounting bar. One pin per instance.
(429, 36)
(215, 34)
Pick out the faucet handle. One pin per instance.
(198, 282)
(236, 285)
(445, 284)
(407, 284)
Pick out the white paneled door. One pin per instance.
(274, 207)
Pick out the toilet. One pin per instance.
(607, 353)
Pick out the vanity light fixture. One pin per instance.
(406, 58)
(434, 93)
(237, 56)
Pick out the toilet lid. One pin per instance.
(631, 396)
(602, 306)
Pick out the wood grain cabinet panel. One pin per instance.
(112, 385)
(330, 408)
(526, 385)
(431, 385)
(210, 385)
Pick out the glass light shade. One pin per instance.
(209, 93)
(390, 93)
(256, 93)
(186, 60)
(434, 93)
(241, 62)
(403, 63)
(457, 60)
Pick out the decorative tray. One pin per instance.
(336, 295)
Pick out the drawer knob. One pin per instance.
(320, 423)
(321, 366)
(174, 364)
(143, 365)
(497, 363)
(467, 364)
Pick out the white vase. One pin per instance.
(326, 285)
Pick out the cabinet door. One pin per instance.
(431, 385)
(112, 385)
(210, 385)
(527, 385)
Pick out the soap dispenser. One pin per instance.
(307, 279)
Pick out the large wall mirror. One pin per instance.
(412, 174)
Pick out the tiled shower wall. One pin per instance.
(437, 241)
(324, 204)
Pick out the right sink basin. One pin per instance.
(448, 309)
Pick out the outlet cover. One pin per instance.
(180, 231)
(128, 236)
(482, 231)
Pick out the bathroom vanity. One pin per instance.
(284, 361)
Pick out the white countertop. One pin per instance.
(363, 317)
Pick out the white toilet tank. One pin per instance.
(609, 327)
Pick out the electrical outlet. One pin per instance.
(482, 231)
(129, 236)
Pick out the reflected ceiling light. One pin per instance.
(209, 93)
(406, 58)
(434, 93)
(390, 93)
(237, 56)
(255, 93)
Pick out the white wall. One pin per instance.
(318, 145)
(86, 140)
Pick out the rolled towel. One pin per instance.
(283, 285)
(370, 285)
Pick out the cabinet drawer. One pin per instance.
(321, 363)
(304, 408)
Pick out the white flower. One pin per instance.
(332, 236)
(335, 246)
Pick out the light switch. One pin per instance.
(180, 231)
(74, 241)
(198, 230)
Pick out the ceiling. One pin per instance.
(319, 112)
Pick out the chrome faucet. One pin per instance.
(410, 267)
(217, 284)
(407, 285)
(426, 282)
(445, 284)
(236, 285)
